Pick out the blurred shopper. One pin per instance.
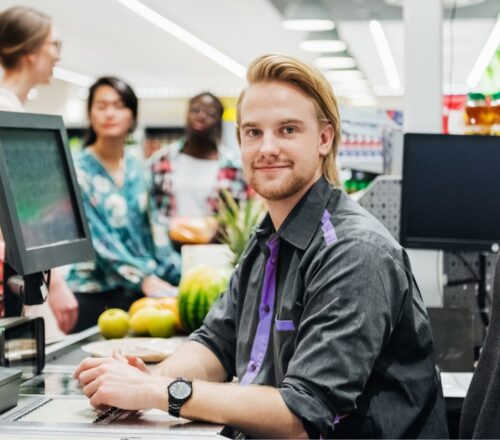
(29, 49)
(129, 261)
(322, 322)
(189, 174)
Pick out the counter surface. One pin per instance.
(52, 404)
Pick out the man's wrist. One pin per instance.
(159, 393)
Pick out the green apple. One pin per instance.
(161, 324)
(139, 320)
(113, 323)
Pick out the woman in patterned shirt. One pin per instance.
(133, 259)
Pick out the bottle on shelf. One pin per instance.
(477, 114)
(495, 114)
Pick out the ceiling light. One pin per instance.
(73, 77)
(335, 62)
(326, 41)
(448, 4)
(186, 37)
(307, 15)
(343, 75)
(485, 56)
(353, 85)
(385, 54)
(362, 101)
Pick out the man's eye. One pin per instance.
(252, 132)
(288, 130)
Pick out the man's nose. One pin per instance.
(269, 144)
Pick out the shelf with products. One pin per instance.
(366, 144)
(158, 136)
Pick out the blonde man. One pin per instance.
(321, 324)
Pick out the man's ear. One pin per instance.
(326, 139)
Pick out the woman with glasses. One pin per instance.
(29, 49)
(189, 175)
(131, 259)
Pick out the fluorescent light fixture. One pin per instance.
(385, 54)
(385, 90)
(307, 15)
(183, 92)
(186, 37)
(362, 101)
(360, 84)
(485, 56)
(343, 75)
(335, 62)
(326, 41)
(73, 77)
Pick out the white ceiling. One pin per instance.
(103, 37)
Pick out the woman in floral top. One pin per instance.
(132, 257)
(189, 175)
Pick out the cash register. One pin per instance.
(43, 225)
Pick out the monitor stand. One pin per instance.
(21, 290)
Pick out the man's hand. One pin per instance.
(63, 303)
(115, 382)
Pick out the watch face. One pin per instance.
(180, 390)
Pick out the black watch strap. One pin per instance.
(175, 402)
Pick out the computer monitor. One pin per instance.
(41, 212)
(450, 189)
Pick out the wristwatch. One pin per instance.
(179, 392)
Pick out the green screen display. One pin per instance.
(40, 186)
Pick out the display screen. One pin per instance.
(450, 192)
(44, 204)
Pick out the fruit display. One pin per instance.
(157, 317)
(198, 290)
(113, 323)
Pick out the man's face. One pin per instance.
(282, 142)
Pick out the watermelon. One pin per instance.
(199, 288)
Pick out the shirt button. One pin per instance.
(253, 367)
(266, 308)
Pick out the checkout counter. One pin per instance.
(51, 404)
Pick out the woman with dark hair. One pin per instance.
(29, 49)
(132, 260)
(189, 175)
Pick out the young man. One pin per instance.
(322, 323)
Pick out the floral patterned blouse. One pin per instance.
(229, 178)
(128, 241)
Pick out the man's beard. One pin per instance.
(273, 192)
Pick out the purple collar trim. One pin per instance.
(266, 308)
(328, 229)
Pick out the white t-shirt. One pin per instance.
(193, 182)
(9, 101)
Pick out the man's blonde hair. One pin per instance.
(290, 70)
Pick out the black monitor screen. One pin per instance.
(450, 192)
(39, 179)
(41, 210)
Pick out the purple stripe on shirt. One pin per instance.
(266, 308)
(328, 229)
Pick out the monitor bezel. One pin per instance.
(439, 243)
(31, 260)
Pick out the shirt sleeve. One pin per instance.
(218, 332)
(353, 296)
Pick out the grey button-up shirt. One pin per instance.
(326, 310)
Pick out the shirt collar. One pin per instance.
(300, 225)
